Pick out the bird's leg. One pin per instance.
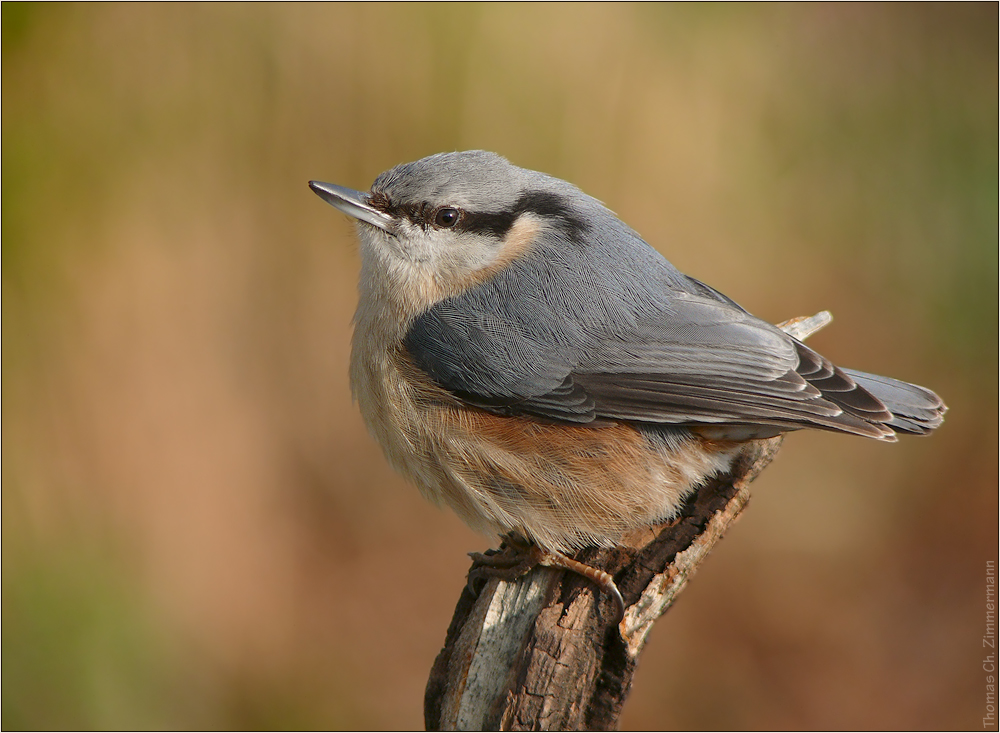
(517, 556)
(598, 577)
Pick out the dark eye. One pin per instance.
(447, 217)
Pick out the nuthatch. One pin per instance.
(526, 358)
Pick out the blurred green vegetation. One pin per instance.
(196, 530)
(75, 650)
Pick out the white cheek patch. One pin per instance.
(416, 244)
(418, 267)
(516, 244)
(458, 260)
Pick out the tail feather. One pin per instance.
(914, 409)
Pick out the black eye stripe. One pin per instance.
(546, 205)
(496, 225)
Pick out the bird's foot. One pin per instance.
(517, 556)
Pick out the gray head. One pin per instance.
(435, 227)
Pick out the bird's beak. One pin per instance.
(354, 203)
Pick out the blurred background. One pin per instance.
(197, 530)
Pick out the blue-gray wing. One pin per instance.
(556, 338)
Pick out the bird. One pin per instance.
(524, 357)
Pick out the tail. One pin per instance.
(915, 410)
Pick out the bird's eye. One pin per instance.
(447, 217)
